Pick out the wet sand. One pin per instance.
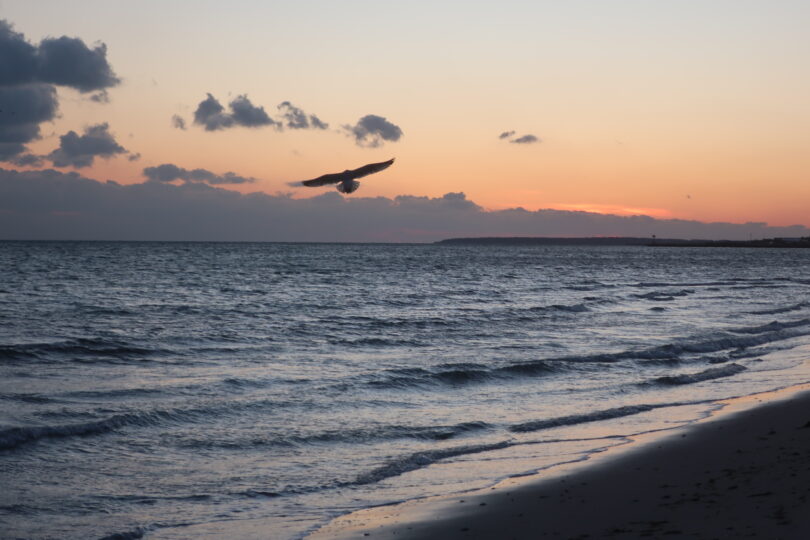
(744, 473)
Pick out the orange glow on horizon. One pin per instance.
(616, 210)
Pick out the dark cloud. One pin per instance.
(371, 130)
(212, 115)
(168, 172)
(295, 118)
(525, 139)
(81, 150)
(22, 109)
(53, 205)
(62, 61)
(68, 61)
(246, 114)
(18, 58)
(28, 75)
(27, 160)
(506, 134)
(178, 122)
(134, 157)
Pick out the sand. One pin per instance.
(744, 473)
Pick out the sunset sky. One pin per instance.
(689, 109)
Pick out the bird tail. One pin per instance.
(348, 187)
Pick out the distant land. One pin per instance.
(803, 242)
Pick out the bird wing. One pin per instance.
(371, 168)
(333, 178)
(360, 172)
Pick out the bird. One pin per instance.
(347, 180)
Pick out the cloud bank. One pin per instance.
(65, 206)
(169, 172)
(28, 76)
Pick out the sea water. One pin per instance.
(171, 390)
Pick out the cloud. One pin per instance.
(297, 119)
(28, 76)
(212, 115)
(168, 172)
(81, 150)
(178, 122)
(65, 206)
(22, 109)
(371, 130)
(62, 61)
(27, 160)
(246, 114)
(100, 97)
(20, 59)
(68, 61)
(525, 139)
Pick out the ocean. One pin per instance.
(174, 390)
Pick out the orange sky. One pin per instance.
(684, 109)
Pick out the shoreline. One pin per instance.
(744, 471)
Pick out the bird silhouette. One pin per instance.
(347, 180)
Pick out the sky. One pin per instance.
(678, 110)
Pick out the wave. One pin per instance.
(706, 375)
(737, 341)
(664, 296)
(432, 433)
(462, 374)
(12, 438)
(102, 310)
(774, 326)
(114, 393)
(134, 534)
(423, 459)
(662, 284)
(418, 377)
(28, 398)
(377, 342)
(348, 436)
(751, 337)
(575, 308)
(419, 460)
(595, 416)
(80, 349)
(779, 310)
(15, 437)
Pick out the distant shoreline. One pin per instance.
(626, 241)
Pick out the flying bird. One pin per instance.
(347, 180)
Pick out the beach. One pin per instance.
(743, 473)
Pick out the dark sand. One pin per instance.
(743, 474)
